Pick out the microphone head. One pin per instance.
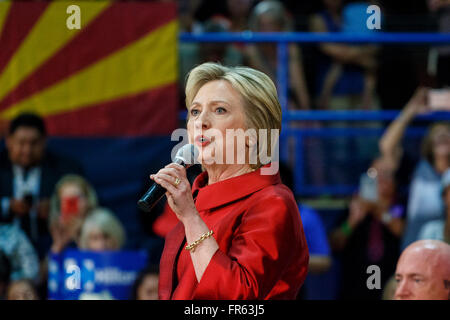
(187, 154)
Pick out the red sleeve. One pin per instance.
(266, 243)
(165, 222)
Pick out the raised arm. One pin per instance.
(389, 143)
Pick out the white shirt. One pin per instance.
(433, 230)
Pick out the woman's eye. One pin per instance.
(194, 112)
(220, 110)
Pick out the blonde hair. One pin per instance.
(273, 8)
(427, 143)
(105, 221)
(86, 187)
(259, 94)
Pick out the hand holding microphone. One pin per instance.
(171, 179)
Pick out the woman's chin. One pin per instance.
(207, 156)
(207, 161)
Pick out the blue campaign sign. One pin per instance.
(77, 275)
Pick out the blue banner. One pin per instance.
(87, 275)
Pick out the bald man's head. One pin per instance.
(423, 271)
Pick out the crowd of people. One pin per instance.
(325, 76)
(399, 220)
(47, 206)
(383, 219)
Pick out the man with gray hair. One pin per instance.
(423, 271)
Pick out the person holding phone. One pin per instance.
(439, 99)
(424, 199)
(73, 200)
(28, 174)
(371, 232)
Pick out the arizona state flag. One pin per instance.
(114, 76)
(107, 91)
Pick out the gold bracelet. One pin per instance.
(194, 244)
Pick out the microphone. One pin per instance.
(186, 157)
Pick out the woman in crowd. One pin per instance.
(73, 200)
(424, 199)
(439, 229)
(146, 285)
(102, 231)
(271, 16)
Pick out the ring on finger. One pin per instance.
(177, 181)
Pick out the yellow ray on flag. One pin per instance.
(4, 9)
(49, 34)
(149, 62)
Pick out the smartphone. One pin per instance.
(69, 207)
(368, 188)
(439, 99)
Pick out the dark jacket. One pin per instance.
(53, 168)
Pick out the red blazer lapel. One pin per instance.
(173, 242)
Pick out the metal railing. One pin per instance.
(283, 40)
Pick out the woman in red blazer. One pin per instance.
(240, 235)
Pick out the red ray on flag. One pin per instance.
(115, 76)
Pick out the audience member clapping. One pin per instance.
(28, 174)
(371, 233)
